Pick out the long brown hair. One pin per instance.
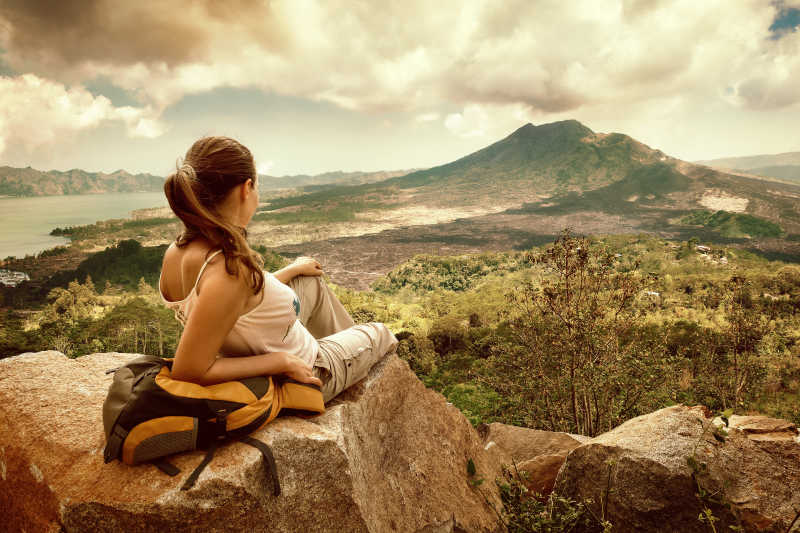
(210, 169)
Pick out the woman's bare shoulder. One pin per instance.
(181, 267)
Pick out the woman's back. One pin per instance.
(270, 324)
(181, 272)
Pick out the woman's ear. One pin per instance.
(247, 189)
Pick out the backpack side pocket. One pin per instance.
(159, 437)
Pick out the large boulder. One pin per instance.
(640, 473)
(522, 444)
(758, 427)
(388, 455)
(540, 473)
(536, 453)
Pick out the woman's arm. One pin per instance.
(216, 309)
(230, 368)
(302, 266)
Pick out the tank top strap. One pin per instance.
(202, 268)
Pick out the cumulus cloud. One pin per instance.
(35, 111)
(545, 57)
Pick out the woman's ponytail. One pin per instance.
(212, 167)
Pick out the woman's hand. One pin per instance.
(307, 266)
(299, 370)
(302, 266)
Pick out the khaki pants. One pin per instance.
(346, 350)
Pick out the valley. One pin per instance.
(521, 190)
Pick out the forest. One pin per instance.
(578, 335)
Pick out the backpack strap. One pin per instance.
(269, 461)
(192, 479)
(168, 468)
(114, 444)
(266, 455)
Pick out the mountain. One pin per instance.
(784, 172)
(563, 171)
(309, 182)
(533, 162)
(31, 182)
(784, 166)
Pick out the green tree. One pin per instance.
(65, 320)
(72, 304)
(746, 326)
(576, 360)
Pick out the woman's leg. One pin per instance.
(320, 311)
(346, 357)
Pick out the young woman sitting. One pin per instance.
(240, 320)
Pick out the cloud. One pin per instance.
(264, 167)
(545, 57)
(472, 122)
(60, 35)
(36, 111)
(427, 117)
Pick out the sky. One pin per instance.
(320, 85)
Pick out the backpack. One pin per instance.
(147, 415)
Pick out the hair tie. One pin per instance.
(186, 171)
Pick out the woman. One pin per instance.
(288, 322)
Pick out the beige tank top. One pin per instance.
(272, 326)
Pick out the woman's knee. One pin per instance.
(384, 339)
(305, 280)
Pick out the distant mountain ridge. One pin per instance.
(754, 161)
(268, 183)
(31, 182)
(785, 166)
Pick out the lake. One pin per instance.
(25, 223)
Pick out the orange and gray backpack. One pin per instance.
(147, 415)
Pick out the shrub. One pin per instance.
(525, 512)
(576, 361)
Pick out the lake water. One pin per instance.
(25, 223)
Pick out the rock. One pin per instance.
(522, 444)
(541, 472)
(641, 470)
(760, 427)
(539, 454)
(388, 455)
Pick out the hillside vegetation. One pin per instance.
(586, 333)
(734, 225)
(577, 336)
